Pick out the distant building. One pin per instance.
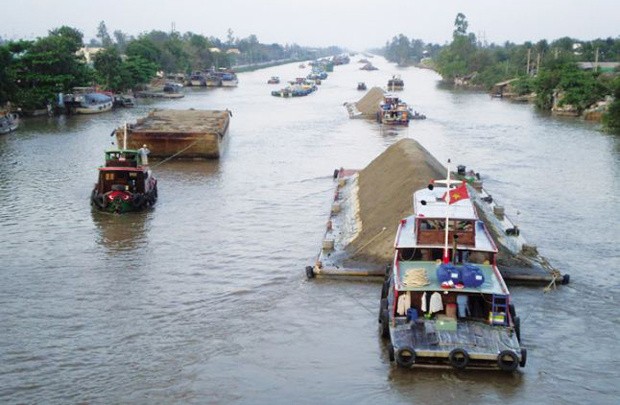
(89, 53)
(605, 67)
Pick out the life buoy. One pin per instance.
(507, 360)
(459, 358)
(405, 357)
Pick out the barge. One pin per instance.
(358, 240)
(193, 134)
(444, 301)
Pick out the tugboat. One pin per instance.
(395, 83)
(393, 111)
(125, 183)
(444, 302)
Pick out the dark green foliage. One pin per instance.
(523, 85)
(42, 68)
(581, 89)
(611, 119)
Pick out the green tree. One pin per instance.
(7, 83)
(47, 66)
(104, 37)
(109, 67)
(611, 119)
(460, 25)
(121, 40)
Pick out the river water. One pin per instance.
(204, 299)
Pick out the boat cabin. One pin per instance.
(123, 158)
(122, 179)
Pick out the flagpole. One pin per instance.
(446, 257)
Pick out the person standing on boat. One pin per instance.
(144, 152)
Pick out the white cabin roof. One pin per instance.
(436, 207)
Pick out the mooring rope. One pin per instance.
(367, 243)
(177, 153)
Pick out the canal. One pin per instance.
(204, 299)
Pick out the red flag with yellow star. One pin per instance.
(457, 194)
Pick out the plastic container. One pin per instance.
(412, 314)
(447, 272)
(472, 276)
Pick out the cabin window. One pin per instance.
(109, 176)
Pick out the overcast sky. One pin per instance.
(356, 25)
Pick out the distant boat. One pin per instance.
(87, 100)
(395, 83)
(94, 103)
(368, 66)
(123, 100)
(393, 111)
(273, 80)
(198, 79)
(222, 78)
(8, 122)
(361, 86)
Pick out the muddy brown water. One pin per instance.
(204, 300)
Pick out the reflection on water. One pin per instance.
(121, 232)
(204, 295)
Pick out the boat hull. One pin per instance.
(178, 137)
(94, 109)
(120, 202)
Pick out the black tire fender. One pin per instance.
(523, 357)
(390, 350)
(507, 360)
(517, 322)
(310, 272)
(382, 305)
(405, 357)
(385, 288)
(385, 323)
(459, 358)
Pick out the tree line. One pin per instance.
(544, 68)
(33, 72)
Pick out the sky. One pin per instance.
(354, 25)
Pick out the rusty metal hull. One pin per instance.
(190, 134)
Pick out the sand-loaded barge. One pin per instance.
(189, 134)
(369, 203)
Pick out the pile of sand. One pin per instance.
(385, 196)
(182, 121)
(369, 104)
